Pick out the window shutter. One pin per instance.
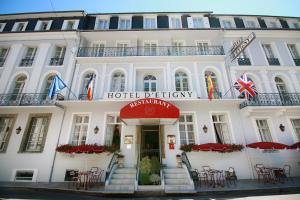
(284, 24)
(31, 25)
(113, 23)
(90, 22)
(214, 22)
(137, 22)
(162, 21)
(184, 21)
(8, 26)
(57, 24)
(239, 22)
(262, 23)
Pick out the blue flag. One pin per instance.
(56, 85)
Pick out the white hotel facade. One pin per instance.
(139, 55)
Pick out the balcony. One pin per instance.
(244, 61)
(296, 60)
(26, 61)
(143, 51)
(56, 61)
(273, 99)
(273, 61)
(25, 99)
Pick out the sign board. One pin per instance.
(239, 46)
(142, 95)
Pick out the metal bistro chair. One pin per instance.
(263, 173)
(96, 175)
(230, 176)
(74, 178)
(287, 172)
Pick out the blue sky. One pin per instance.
(255, 7)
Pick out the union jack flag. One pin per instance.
(245, 86)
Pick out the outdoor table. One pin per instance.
(277, 174)
(86, 177)
(213, 177)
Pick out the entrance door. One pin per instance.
(150, 142)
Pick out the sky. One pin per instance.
(253, 7)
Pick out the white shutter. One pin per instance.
(206, 22)
(190, 22)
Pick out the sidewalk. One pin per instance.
(245, 185)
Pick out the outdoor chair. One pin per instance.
(206, 168)
(220, 180)
(287, 172)
(75, 178)
(96, 175)
(194, 175)
(202, 176)
(263, 173)
(230, 176)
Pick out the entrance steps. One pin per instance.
(177, 180)
(122, 181)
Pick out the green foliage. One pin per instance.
(155, 165)
(144, 179)
(155, 179)
(145, 165)
(186, 147)
(149, 171)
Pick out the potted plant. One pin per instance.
(120, 160)
(179, 160)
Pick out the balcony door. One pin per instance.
(18, 88)
(282, 91)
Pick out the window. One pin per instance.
(59, 54)
(272, 25)
(177, 48)
(293, 51)
(216, 93)
(268, 50)
(122, 48)
(250, 24)
(296, 126)
(221, 128)
(44, 25)
(150, 83)
(202, 48)
(87, 77)
(24, 175)
(18, 88)
(181, 81)
(79, 129)
(124, 24)
(198, 22)
(150, 48)
(102, 24)
(6, 127)
(113, 130)
(149, 23)
(296, 25)
(2, 25)
(118, 82)
(47, 86)
(186, 129)
(98, 49)
(19, 26)
(36, 132)
(264, 131)
(3, 55)
(280, 85)
(29, 57)
(70, 24)
(227, 24)
(175, 22)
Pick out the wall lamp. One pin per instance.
(96, 129)
(282, 127)
(18, 130)
(205, 129)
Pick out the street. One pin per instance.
(23, 193)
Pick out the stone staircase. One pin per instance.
(177, 180)
(122, 181)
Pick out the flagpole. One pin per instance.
(71, 92)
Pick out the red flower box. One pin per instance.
(83, 148)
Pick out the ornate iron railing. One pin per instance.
(273, 99)
(297, 61)
(145, 51)
(273, 61)
(244, 61)
(25, 99)
(56, 61)
(26, 62)
(113, 161)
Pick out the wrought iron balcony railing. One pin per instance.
(273, 61)
(153, 51)
(273, 99)
(297, 61)
(26, 62)
(244, 61)
(25, 99)
(56, 61)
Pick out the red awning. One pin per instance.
(149, 111)
(211, 147)
(267, 145)
(295, 146)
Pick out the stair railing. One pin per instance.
(185, 160)
(113, 161)
(137, 169)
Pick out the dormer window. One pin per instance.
(198, 22)
(250, 24)
(2, 25)
(43, 25)
(70, 24)
(175, 22)
(227, 24)
(19, 26)
(124, 24)
(149, 23)
(273, 25)
(102, 24)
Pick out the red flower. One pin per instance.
(83, 148)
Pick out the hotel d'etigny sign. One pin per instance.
(172, 95)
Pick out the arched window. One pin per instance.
(150, 83)
(217, 93)
(280, 85)
(18, 87)
(47, 86)
(84, 85)
(181, 81)
(118, 82)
